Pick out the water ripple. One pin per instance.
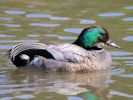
(120, 94)
(129, 8)
(66, 37)
(38, 15)
(61, 37)
(12, 41)
(73, 30)
(16, 12)
(129, 63)
(127, 75)
(130, 29)
(58, 18)
(33, 35)
(6, 91)
(123, 58)
(11, 25)
(44, 24)
(15, 85)
(128, 19)
(6, 98)
(120, 53)
(128, 38)
(117, 71)
(51, 35)
(47, 16)
(87, 21)
(5, 36)
(6, 18)
(26, 96)
(111, 14)
(75, 98)
(5, 47)
(109, 81)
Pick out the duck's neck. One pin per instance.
(87, 39)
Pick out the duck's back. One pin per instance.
(67, 52)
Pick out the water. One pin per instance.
(62, 21)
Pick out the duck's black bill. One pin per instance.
(110, 43)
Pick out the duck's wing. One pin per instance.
(67, 52)
(26, 48)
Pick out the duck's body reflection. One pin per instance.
(84, 85)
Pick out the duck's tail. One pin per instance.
(23, 47)
(29, 49)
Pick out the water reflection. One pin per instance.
(130, 19)
(37, 81)
(111, 14)
(38, 15)
(11, 25)
(120, 94)
(66, 37)
(61, 37)
(24, 96)
(33, 35)
(7, 98)
(6, 18)
(74, 98)
(4, 36)
(123, 58)
(73, 30)
(117, 71)
(120, 53)
(127, 75)
(129, 8)
(87, 21)
(130, 29)
(44, 24)
(5, 47)
(6, 92)
(17, 41)
(47, 16)
(16, 12)
(58, 18)
(129, 63)
(128, 38)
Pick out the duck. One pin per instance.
(86, 53)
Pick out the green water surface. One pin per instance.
(49, 21)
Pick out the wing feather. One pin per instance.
(67, 52)
(25, 46)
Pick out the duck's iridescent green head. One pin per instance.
(93, 35)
